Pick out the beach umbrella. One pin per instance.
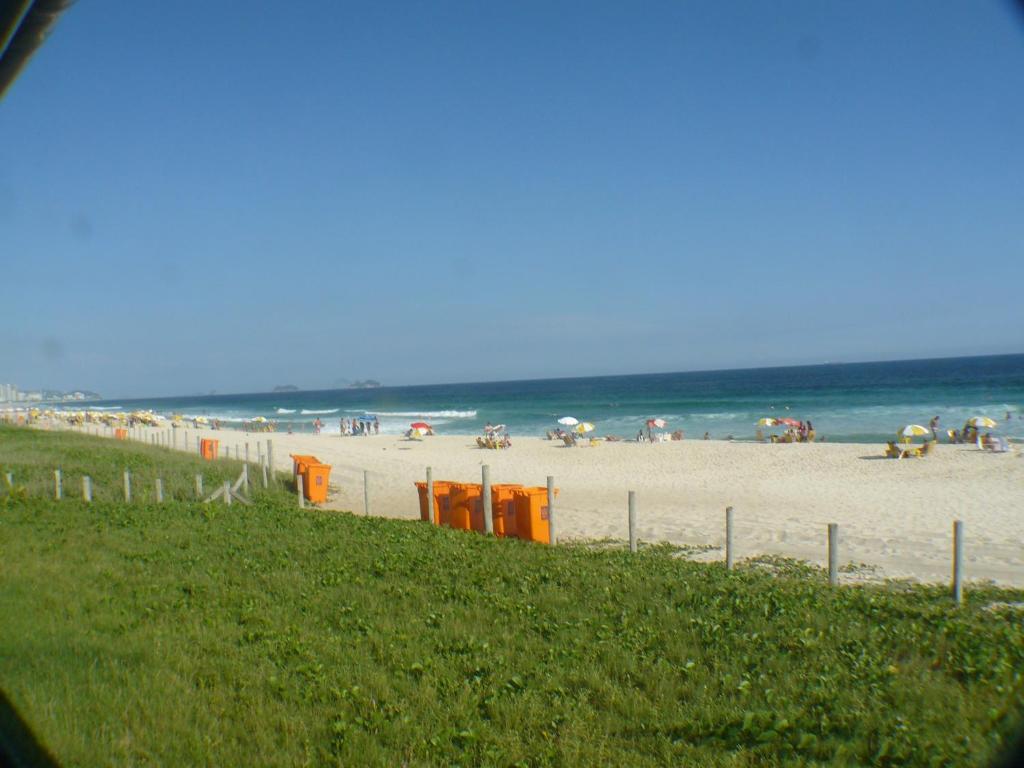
(913, 430)
(767, 421)
(417, 432)
(789, 422)
(496, 428)
(260, 419)
(421, 425)
(657, 423)
(584, 427)
(366, 417)
(568, 421)
(981, 422)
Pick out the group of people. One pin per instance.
(350, 427)
(494, 437)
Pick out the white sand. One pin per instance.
(894, 515)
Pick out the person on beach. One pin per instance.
(640, 436)
(376, 425)
(933, 425)
(707, 435)
(317, 424)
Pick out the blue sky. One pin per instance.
(194, 198)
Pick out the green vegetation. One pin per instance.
(182, 634)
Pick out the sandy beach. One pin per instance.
(895, 517)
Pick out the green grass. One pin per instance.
(183, 634)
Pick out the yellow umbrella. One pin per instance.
(913, 430)
(584, 427)
(767, 421)
(981, 422)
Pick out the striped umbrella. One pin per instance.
(584, 427)
(913, 430)
(767, 421)
(657, 423)
(981, 422)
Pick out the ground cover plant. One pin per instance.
(185, 634)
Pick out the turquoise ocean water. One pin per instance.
(857, 402)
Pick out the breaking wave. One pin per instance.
(311, 411)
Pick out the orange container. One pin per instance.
(209, 448)
(121, 434)
(442, 502)
(467, 507)
(532, 514)
(299, 462)
(315, 477)
(503, 507)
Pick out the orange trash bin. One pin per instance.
(121, 434)
(315, 478)
(299, 462)
(442, 502)
(532, 514)
(503, 507)
(467, 507)
(209, 448)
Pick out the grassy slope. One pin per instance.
(191, 634)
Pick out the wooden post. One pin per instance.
(632, 521)
(728, 539)
(159, 490)
(270, 460)
(127, 485)
(266, 483)
(366, 492)
(430, 497)
(485, 480)
(227, 493)
(552, 535)
(246, 453)
(298, 491)
(259, 453)
(958, 561)
(199, 486)
(245, 476)
(174, 439)
(10, 479)
(58, 486)
(833, 554)
(199, 444)
(86, 488)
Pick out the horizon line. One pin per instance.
(576, 378)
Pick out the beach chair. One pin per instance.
(480, 443)
(569, 441)
(891, 451)
(925, 449)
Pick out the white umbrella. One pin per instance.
(914, 430)
(568, 421)
(983, 422)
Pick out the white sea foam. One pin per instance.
(312, 411)
(422, 414)
(286, 410)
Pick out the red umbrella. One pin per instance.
(420, 425)
(659, 423)
(789, 422)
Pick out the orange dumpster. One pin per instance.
(467, 507)
(121, 434)
(299, 461)
(315, 477)
(532, 513)
(442, 502)
(209, 448)
(503, 507)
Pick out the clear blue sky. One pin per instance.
(199, 196)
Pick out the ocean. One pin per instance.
(855, 402)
